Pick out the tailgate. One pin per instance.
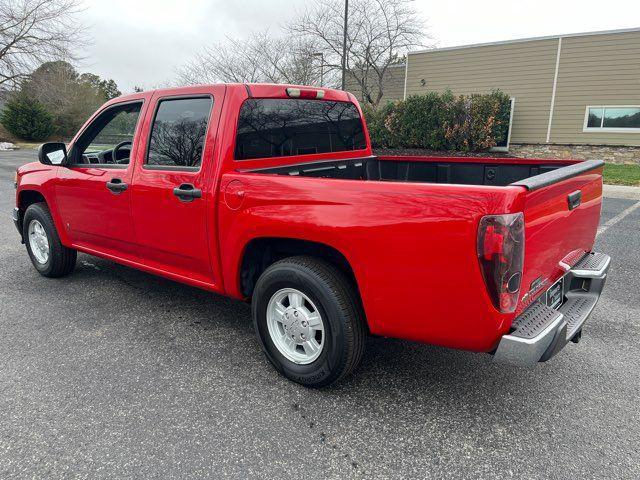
(562, 212)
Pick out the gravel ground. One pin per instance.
(115, 373)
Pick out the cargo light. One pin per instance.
(501, 256)
(305, 93)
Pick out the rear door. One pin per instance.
(171, 186)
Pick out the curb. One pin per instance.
(621, 191)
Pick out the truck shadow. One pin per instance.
(395, 377)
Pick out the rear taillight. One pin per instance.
(501, 255)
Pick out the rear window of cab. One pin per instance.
(285, 127)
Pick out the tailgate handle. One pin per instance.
(574, 199)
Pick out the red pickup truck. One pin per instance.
(272, 194)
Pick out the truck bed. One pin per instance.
(447, 170)
(418, 217)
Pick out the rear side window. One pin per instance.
(285, 127)
(178, 131)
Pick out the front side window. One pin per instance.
(285, 127)
(108, 140)
(178, 132)
(613, 118)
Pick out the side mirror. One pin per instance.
(52, 153)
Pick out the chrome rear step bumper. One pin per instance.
(540, 331)
(592, 265)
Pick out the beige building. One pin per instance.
(392, 81)
(573, 95)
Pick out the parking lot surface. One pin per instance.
(116, 373)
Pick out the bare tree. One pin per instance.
(33, 32)
(178, 143)
(68, 96)
(259, 58)
(379, 35)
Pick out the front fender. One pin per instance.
(41, 182)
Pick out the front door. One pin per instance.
(169, 194)
(92, 191)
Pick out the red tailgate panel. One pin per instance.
(555, 235)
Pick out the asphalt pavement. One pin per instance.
(114, 373)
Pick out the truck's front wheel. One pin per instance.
(49, 257)
(308, 320)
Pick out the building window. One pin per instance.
(621, 119)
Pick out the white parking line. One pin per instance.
(617, 218)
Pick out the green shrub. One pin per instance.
(376, 125)
(441, 121)
(27, 119)
(489, 119)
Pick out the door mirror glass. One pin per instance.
(52, 153)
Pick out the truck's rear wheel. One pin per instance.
(308, 320)
(49, 257)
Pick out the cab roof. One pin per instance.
(253, 90)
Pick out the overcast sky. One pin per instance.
(143, 42)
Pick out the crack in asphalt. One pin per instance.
(322, 438)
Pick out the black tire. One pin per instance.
(335, 297)
(62, 260)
